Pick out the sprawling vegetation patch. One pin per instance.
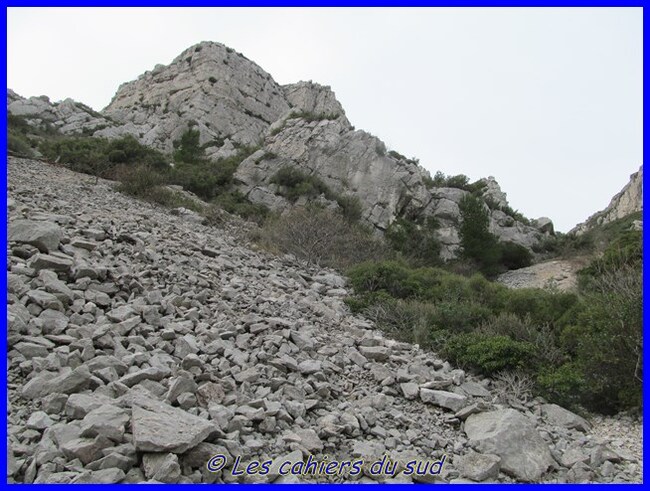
(580, 349)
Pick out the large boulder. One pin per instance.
(512, 436)
(158, 427)
(44, 235)
(559, 416)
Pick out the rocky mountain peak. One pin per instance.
(231, 100)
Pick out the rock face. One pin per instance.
(234, 103)
(166, 357)
(629, 200)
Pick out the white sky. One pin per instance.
(547, 100)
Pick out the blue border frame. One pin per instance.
(324, 3)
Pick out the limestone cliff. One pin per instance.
(629, 200)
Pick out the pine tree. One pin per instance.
(476, 241)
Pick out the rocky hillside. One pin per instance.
(235, 104)
(142, 345)
(629, 200)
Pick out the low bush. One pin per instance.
(415, 240)
(312, 116)
(321, 237)
(99, 156)
(236, 203)
(515, 256)
(18, 144)
(296, 183)
(489, 354)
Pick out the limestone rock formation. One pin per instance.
(68, 117)
(629, 200)
(234, 103)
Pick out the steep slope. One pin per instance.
(141, 345)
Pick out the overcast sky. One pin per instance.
(548, 101)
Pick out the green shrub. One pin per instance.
(351, 208)
(549, 351)
(406, 320)
(515, 256)
(564, 384)
(296, 183)
(489, 354)
(542, 306)
(392, 277)
(208, 179)
(320, 237)
(127, 150)
(609, 334)
(476, 241)
(139, 180)
(99, 156)
(188, 149)
(82, 154)
(18, 144)
(236, 203)
(415, 240)
(311, 116)
(458, 316)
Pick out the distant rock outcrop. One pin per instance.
(67, 117)
(629, 200)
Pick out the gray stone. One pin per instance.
(161, 467)
(49, 262)
(478, 467)
(39, 421)
(559, 416)
(310, 441)
(162, 428)
(448, 400)
(78, 406)
(32, 350)
(53, 321)
(474, 389)
(84, 449)
(308, 367)
(104, 476)
(67, 382)
(113, 460)
(44, 235)
(580, 473)
(106, 420)
(151, 373)
(45, 300)
(120, 313)
(510, 435)
(410, 390)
